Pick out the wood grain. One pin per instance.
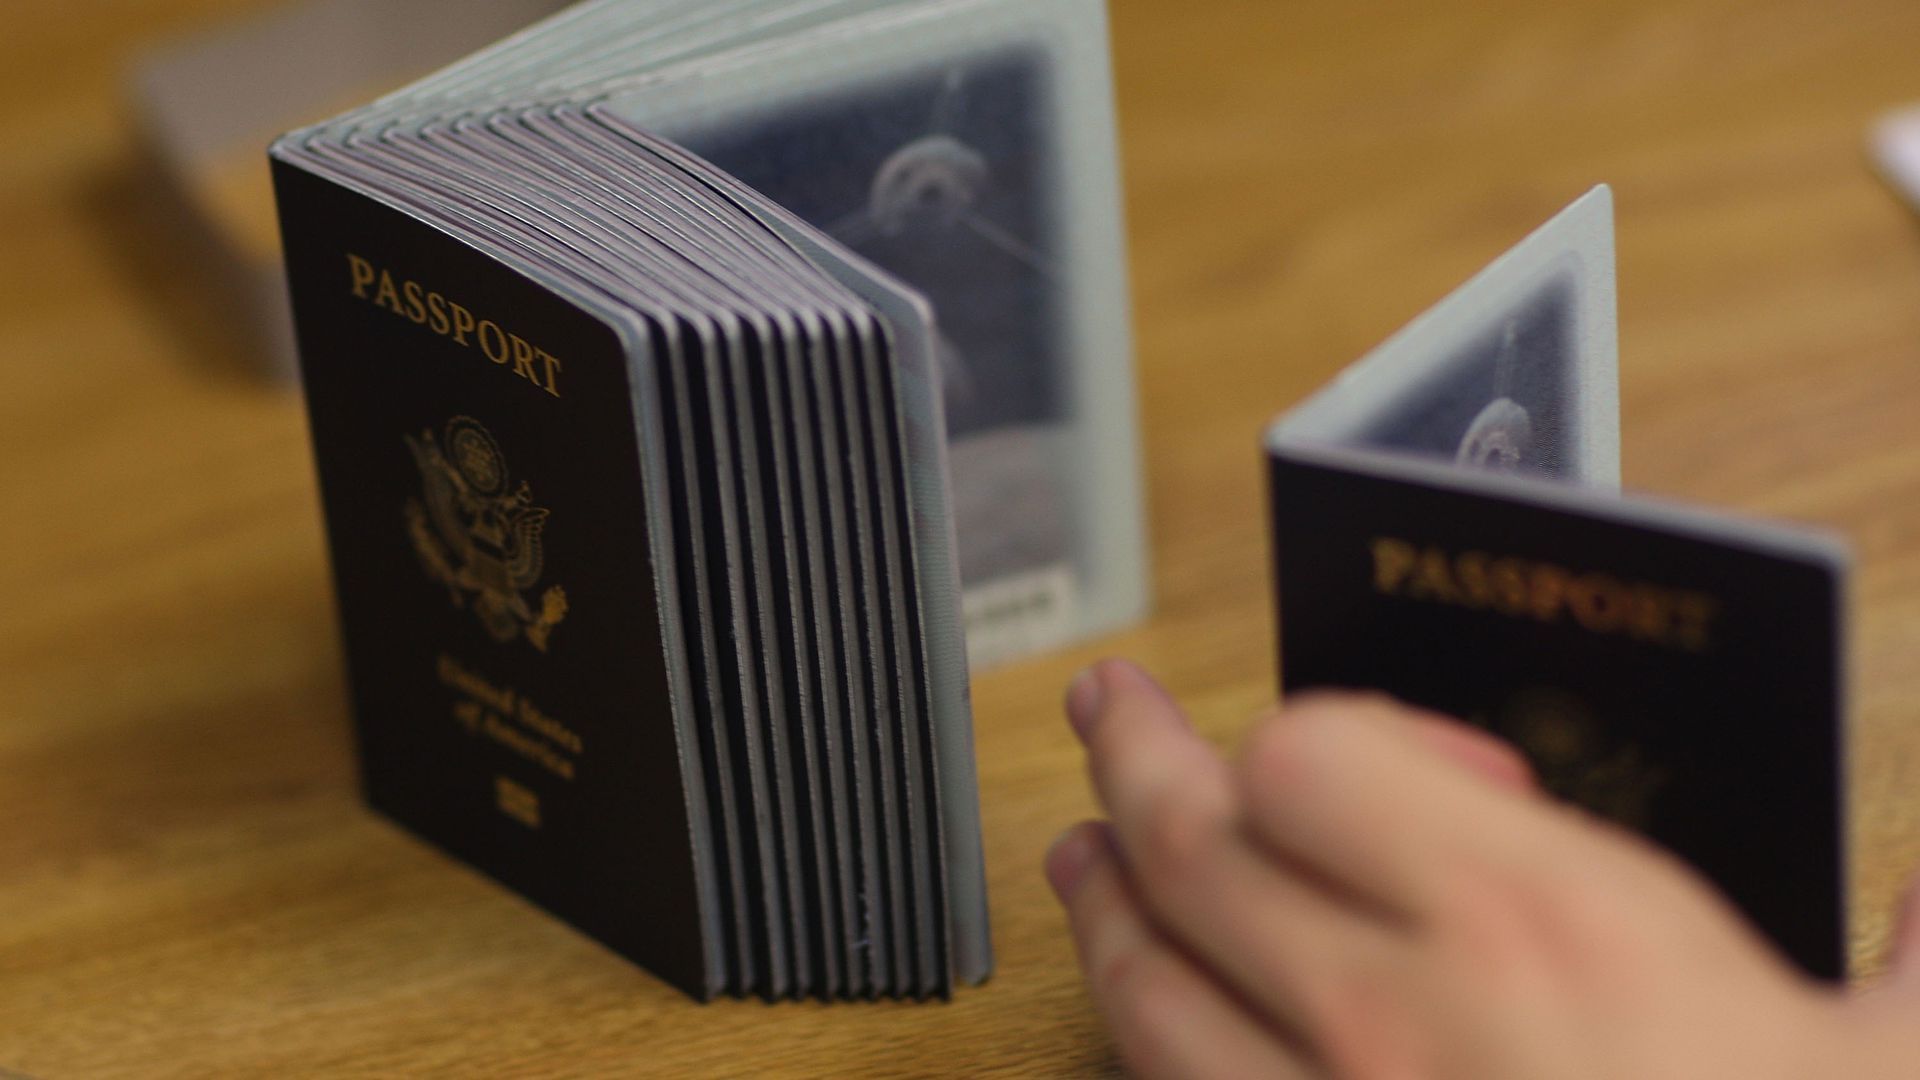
(188, 885)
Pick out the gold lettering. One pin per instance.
(362, 274)
(1546, 588)
(1476, 586)
(475, 687)
(1542, 591)
(1432, 578)
(527, 747)
(1692, 613)
(522, 357)
(1598, 603)
(417, 304)
(532, 717)
(507, 717)
(387, 296)
(498, 354)
(1652, 614)
(462, 323)
(517, 801)
(1391, 561)
(1509, 580)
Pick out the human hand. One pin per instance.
(1380, 893)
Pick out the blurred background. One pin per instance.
(185, 873)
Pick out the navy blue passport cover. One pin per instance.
(1677, 673)
(479, 466)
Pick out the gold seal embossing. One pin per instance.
(480, 536)
(1580, 758)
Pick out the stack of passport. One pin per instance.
(636, 483)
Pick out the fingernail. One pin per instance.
(1083, 701)
(1068, 861)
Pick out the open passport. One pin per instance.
(1448, 528)
(639, 349)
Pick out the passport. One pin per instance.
(1447, 528)
(498, 602)
(696, 390)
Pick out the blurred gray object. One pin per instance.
(979, 168)
(207, 105)
(1894, 143)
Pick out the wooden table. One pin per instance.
(188, 884)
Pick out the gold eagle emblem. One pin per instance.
(1578, 758)
(478, 534)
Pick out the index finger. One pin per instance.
(1345, 786)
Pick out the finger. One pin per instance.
(1166, 1014)
(1142, 755)
(1478, 751)
(1294, 949)
(1482, 754)
(1341, 784)
(1903, 963)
